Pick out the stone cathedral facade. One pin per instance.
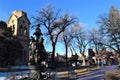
(20, 24)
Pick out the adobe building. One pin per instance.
(20, 25)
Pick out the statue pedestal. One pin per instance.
(36, 72)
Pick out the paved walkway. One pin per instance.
(73, 73)
(97, 75)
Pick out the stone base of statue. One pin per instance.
(37, 72)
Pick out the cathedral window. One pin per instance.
(21, 29)
(23, 21)
(12, 21)
(25, 31)
(13, 28)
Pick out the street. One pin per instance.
(97, 75)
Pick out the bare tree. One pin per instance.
(110, 28)
(80, 39)
(96, 40)
(66, 38)
(54, 24)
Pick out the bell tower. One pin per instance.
(20, 24)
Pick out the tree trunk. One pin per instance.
(53, 54)
(83, 63)
(66, 55)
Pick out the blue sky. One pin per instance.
(88, 11)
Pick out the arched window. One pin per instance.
(21, 30)
(13, 28)
(25, 31)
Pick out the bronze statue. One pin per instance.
(37, 55)
(37, 50)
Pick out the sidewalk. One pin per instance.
(72, 74)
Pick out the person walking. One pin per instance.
(100, 63)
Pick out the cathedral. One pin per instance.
(20, 25)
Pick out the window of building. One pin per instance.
(23, 21)
(12, 28)
(21, 29)
(12, 21)
(25, 31)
